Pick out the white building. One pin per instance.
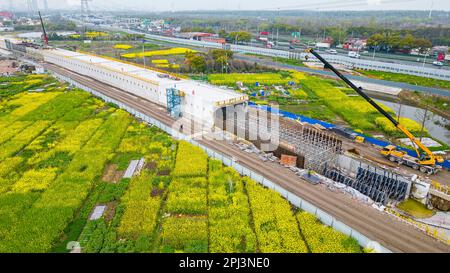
(198, 101)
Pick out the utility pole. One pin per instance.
(277, 36)
(399, 110)
(425, 118)
(425, 58)
(143, 51)
(277, 24)
(84, 14)
(431, 9)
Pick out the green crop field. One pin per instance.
(414, 80)
(63, 152)
(252, 78)
(354, 110)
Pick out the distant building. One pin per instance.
(355, 44)
(213, 40)
(439, 49)
(194, 35)
(6, 16)
(323, 45)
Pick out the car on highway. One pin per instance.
(438, 63)
(332, 51)
(354, 54)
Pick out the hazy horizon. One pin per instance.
(244, 5)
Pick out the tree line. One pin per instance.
(217, 61)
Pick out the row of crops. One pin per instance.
(252, 78)
(57, 147)
(171, 51)
(354, 110)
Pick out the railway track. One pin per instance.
(393, 234)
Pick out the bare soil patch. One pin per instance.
(150, 165)
(163, 172)
(110, 210)
(111, 174)
(156, 192)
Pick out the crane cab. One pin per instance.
(391, 150)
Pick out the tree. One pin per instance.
(240, 36)
(376, 40)
(223, 33)
(219, 59)
(423, 44)
(220, 53)
(196, 62)
(407, 42)
(338, 35)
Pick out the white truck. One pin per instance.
(354, 54)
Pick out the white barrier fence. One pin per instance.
(324, 217)
(352, 63)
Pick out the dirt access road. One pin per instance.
(378, 226)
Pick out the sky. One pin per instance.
(179, 5)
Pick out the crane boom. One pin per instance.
(416, 143)
(44, 33)
(353, 86)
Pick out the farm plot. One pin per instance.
(132, 205)
(164, 52)
(323, 239)
(250, 78)
(354, 110)
(191, 161)
(275, 225)
(229, 212)
(32, 188)
(180, 202)
(415, 80)
(139, 218)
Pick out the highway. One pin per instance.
(390, 232)
(382, 57)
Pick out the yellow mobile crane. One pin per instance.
(425, 162)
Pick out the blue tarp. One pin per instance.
(327, 125)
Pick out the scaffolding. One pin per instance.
(173, 102)
(318, 148)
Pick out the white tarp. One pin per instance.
(98, 212)
(131, 169)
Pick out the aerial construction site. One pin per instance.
(121, 137)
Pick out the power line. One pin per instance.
(364, 3)
(337, 4)
(431, 9)
(306, 6)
